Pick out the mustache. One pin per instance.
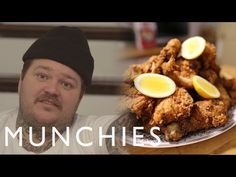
(49, 98)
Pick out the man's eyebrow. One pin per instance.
(69, 77)
(43, 67)
(50, 69)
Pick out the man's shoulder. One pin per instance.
(7, 114)
(9, 111)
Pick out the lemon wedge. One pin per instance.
(193, 47)
(154, 85)
(204, 88)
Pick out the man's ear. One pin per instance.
(19, 84)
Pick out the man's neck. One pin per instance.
(36, 137)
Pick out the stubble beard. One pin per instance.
(30, 120)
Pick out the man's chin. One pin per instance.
(45, 117)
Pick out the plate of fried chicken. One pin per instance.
(184, 117)
(129, 121)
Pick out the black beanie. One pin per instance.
(66, 45)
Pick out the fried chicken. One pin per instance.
(209, 75)
(230, 85)
(205, 114)
(181, 71)
(173, 108)
(224, 96)
(136, 102)
(185, 111)
(208, 58)
(153, 65)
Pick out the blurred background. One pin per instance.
(114, 46)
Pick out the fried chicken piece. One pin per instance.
(173, 108)
(224, 96)
(205, 114)
(181, 71)
(230, 85)
(209, 75)
(136, 102)
(153, 65)
(172, 49)
(208, 58)
(233, 97)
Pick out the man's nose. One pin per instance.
(52, 88)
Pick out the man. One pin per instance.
(57, 69)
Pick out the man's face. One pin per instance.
(49, 94)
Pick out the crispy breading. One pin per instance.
(224, 96)
(230, 85)
(208, 58)
(153, 65)
(209, 75)
(138, 103)
(173, 108)
(172, 49)
(181, 71)
(205, 114)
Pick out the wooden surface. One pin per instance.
(222, 144)
(91, 32)
(133, 52)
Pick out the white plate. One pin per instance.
(150, 142)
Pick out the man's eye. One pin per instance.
(67, 85)
(42, 77)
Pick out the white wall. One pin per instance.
(105, 53)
